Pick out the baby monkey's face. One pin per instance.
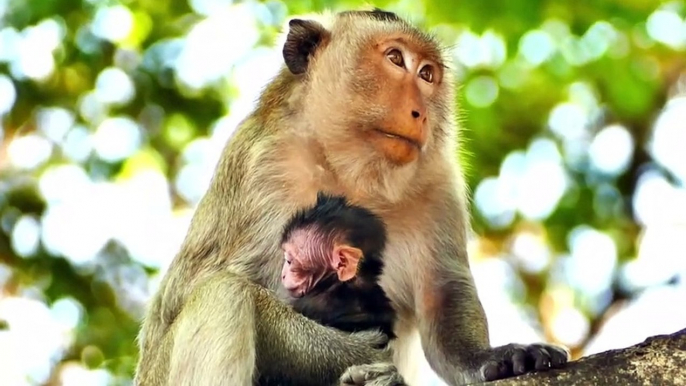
(309, 257)
(302, 268)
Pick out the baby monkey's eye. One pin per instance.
(396, 57)
(427, 73)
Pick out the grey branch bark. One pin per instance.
(659, 360)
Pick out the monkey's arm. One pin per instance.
(452, 321)
(229, 324)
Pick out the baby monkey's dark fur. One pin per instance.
(357, 304)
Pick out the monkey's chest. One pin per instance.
(405, 256)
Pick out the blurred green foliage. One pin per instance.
(631, 81)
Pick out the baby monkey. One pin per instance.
(332, 262)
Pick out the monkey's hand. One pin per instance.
(377, 374)
(516, 359)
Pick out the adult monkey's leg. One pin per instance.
(260, 337)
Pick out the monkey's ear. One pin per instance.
(345, 261)
(304, 36)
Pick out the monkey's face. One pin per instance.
(396, 81)
(384, 94)
(374, 87)
(301, 271)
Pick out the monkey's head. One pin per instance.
(374, 87)
(332, 237)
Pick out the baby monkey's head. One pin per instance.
(332, 237)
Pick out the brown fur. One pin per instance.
(215, 319)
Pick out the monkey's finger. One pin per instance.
(519, 361)
(354, 375)
(541, 357)
(490, 371)
(505, 368)
(375, 374)
(497, 369)
(559, 356)
(380, 370)
(349, 378)
(394, 379)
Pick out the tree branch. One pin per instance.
(659, 360)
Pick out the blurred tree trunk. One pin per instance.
(659, 360)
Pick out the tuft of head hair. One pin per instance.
(377, 14)
(333, 214)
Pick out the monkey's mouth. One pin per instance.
(408, 140)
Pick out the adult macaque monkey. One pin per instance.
(363, 108)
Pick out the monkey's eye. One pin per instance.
(396, 57)
(427, 73)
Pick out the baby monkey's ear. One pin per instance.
(345, 261)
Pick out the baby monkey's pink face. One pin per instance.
(308, 259)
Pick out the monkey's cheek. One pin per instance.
(398, 151)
